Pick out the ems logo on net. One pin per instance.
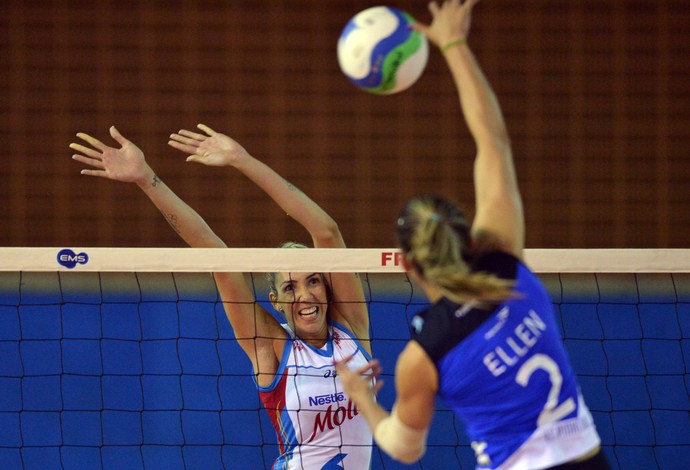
(70, 259)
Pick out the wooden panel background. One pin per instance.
(596, 95)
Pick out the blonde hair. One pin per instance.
(434, 236)
(271, 277)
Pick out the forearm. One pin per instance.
(294, 202)
(182, 218)
(495, 177)
(371, 410)
(398, 440)
(478, 101)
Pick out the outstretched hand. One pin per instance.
(359, 383)
(125, 164)
(212, 149)
(450, 21)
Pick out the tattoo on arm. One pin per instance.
(155, 180)
(173, 221)
(291, 186)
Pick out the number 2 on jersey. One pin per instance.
(553, 411)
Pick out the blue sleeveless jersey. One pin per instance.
(504, 371)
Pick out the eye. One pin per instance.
(288, 288)
(316, 280)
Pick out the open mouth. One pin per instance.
(310, 311)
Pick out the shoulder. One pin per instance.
(486, 241)
(446, 324)
(413, 355)
(414, 363)
(340, 330)
(499, 263)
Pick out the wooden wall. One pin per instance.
(596, 94)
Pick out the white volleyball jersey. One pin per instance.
(317, 426)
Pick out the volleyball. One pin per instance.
(380, 53)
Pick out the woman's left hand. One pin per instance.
(211, 149)
(359, 383)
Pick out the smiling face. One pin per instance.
(303, 299)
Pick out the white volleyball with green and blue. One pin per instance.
(380, 53)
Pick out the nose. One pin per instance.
(303, 293)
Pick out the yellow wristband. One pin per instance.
(453, 43)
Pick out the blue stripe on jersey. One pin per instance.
(288, 436)
(354, 338)
(281, 367)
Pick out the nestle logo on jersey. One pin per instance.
(326, 399)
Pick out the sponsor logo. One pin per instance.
(70, 259)
(326, 399)
(566, 428)
(390, 258)
(417, 323)
(502, 317)
(465, 309)
(330, 418)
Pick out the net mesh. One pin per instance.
(142, 370)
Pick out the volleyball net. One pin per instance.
(124, 358)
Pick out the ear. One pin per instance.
(274, 301)
(329, 293)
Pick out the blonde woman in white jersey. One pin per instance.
(326, 317)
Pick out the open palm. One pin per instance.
(212, 149)
(451, 21)
(125, 164)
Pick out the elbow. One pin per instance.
(410, 457)
(497, 143)
(503, 138)
(328, 233)
(209, 240)
(401, 442)
(407, 456)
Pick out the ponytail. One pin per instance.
(434, 235)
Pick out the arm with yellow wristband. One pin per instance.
(402, 433)
(453, 43)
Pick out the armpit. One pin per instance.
(485, 241)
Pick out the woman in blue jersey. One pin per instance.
(488, 344)
(326, 317)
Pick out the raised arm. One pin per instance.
(216, 149)
(499, 218)
(128, 164)
(498, 222)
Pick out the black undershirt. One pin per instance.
(445, 324)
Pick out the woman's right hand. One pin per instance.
(125, 164)
(451, 21)
(212, 149)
